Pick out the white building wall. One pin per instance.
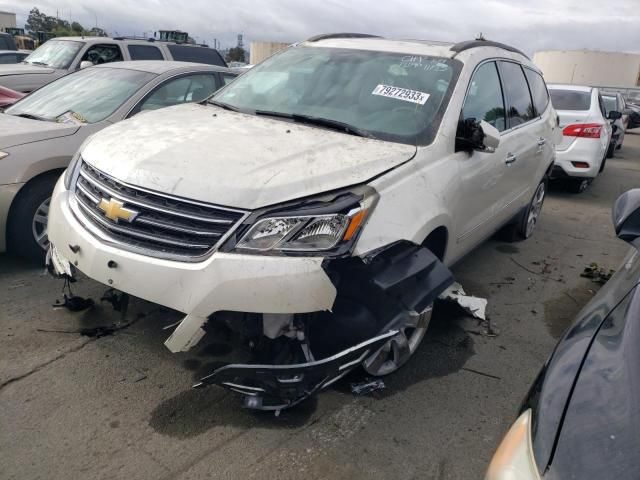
(258, 51)
(7, 20)
(584, 67)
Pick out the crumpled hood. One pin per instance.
(237, 160)
(18, 130)
(23, 68)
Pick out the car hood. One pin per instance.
(17, 130)
(24, 68)
(233, 159)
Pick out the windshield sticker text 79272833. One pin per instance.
(404, 94)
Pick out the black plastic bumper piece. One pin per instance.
(276, 387)
(558, 172)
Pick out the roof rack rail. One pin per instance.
(327, 36)
(133, 37)
(462, 46)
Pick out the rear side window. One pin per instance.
(484, 99)
(227, 78)
(209, 56)
(9, 58)
(570, 99)
(4, 43)
(520, 107)
(538, 91)
(144, 52)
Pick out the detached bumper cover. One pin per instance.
(274, 387)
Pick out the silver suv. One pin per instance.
(57, 57)
(314, 204)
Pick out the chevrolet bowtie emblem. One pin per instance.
(114, 210)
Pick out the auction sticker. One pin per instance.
(404, 94)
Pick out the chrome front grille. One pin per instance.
(159, 225)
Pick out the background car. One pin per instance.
(9, 97)
(40, 134)
(7, 42)
(60, 56)
(12, 56)
(581, 418)
(586, 134)
(614, 101)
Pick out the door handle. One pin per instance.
(541, 142)
(510, 158)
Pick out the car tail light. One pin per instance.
(583, 130)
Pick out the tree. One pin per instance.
(77, 28)
(236, 54)
(39, 22)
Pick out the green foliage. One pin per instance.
(38, 21)
(236, 54)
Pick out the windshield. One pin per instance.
(610, 103)
(570, 99)
(55, 53)
(91, 95)
(390, 96)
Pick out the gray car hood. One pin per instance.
(227, 158)
(24, 68)
(17, 130)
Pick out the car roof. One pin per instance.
(575, 88)
(13, 51)
(471, 52)
(161, 66)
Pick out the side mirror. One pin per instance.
(614, 115)
(85, 64)
(474, 135)
(626, 217)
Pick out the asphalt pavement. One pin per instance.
(120, 406)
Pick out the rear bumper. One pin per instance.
(585, 150)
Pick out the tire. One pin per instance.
(604, 162)
(27, 231)
(578, 185)
(610, 150)
(397, 351)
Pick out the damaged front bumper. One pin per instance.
(276, 387)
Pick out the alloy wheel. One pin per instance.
(534, 209)
(397, 351)
(39, 224)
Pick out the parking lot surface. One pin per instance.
(121, 406)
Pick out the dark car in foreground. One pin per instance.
(581, 418)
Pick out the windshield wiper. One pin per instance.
(321, 122)
(31, 117)
(226, 106)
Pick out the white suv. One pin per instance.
(314, 204)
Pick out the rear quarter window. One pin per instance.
(144, 52)
(570, 99)
(538, 91)
(209, 56)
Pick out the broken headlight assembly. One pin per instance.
(327, 226)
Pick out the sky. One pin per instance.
(531, 25)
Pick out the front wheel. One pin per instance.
(397, 351)
(27, 229)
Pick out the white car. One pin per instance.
(586, 134)
(315, 203)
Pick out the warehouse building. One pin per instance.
(258, 51)
(7, 20)
(586, 67)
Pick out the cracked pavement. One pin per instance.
(121, 406)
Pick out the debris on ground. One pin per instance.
(74, 303)
(596, 273)
(475, 306)
(367, 386)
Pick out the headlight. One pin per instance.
(324, 226)
(3, 154)
(514, 458)
(71, 170)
